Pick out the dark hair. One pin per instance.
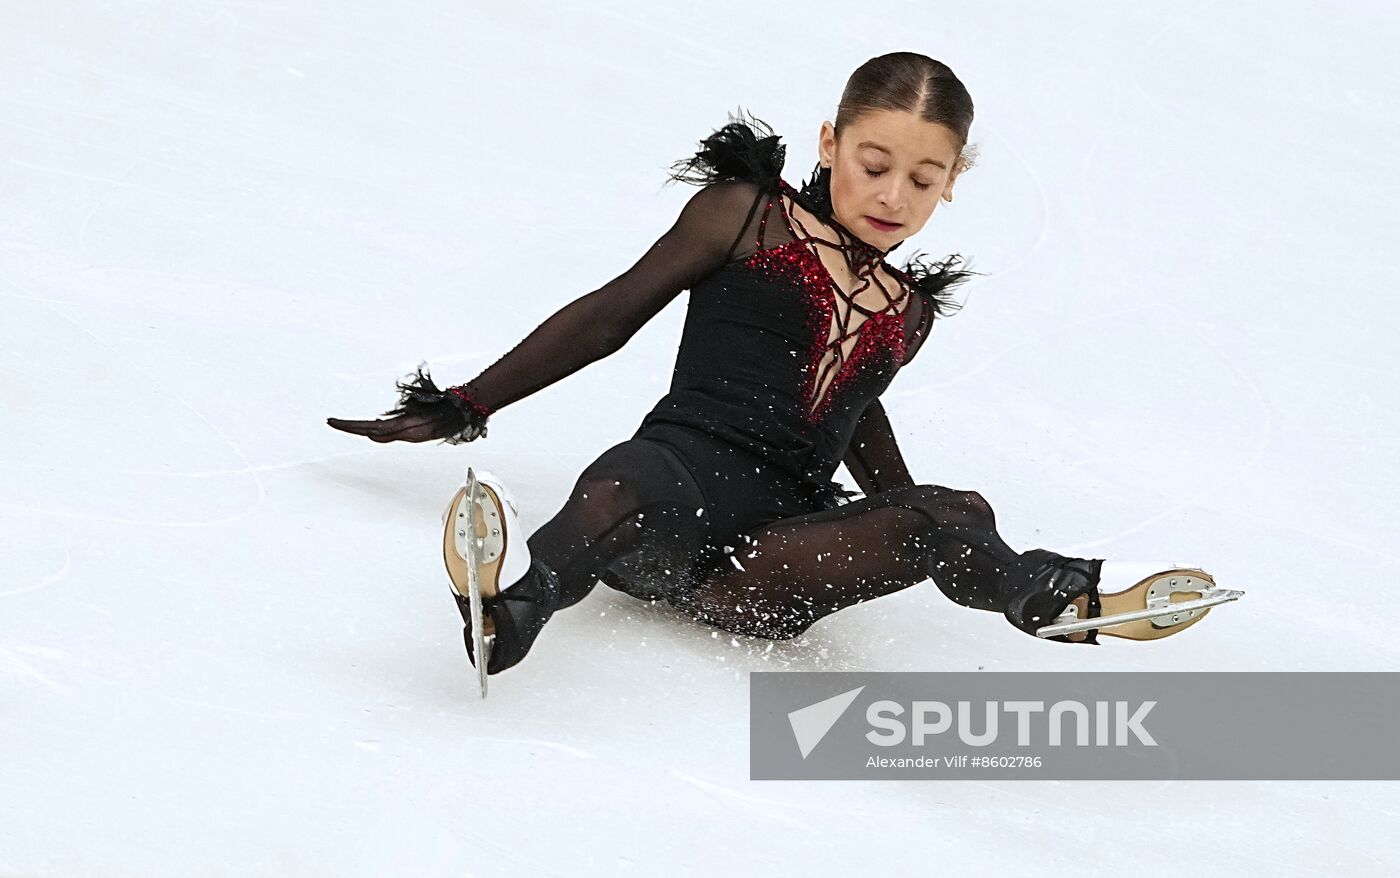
(913, 83)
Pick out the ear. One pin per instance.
(958, 167)
(826, 144)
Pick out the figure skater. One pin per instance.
(722, 503)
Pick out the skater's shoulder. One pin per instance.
(743, 151)
(933, 282)
(728, 197)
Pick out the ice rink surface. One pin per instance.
(227, 643)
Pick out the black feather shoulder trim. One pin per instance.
(741, 150)
(935, 281)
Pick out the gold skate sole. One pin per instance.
(489, 572)
(1135, 598)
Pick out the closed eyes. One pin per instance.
(917, 184)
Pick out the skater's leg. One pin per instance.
(794, 571)
(636, 508)
(634, 518)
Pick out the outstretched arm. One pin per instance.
(583, 331)
(601, 322)
(873, 457)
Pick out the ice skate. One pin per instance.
(1141, 601)
(503, 595)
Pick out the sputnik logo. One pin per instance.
(811, 723)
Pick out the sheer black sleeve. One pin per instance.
(599, 323)
(873, 457)
(738, 167)
(918, 322)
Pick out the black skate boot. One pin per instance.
(1133, 600)
(494, 580)
(514, 617)
(1056, 583)
(1144, 600)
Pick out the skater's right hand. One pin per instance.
(407, 428)
(424, 413)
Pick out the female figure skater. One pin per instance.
(722, 502)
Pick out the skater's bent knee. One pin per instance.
(608, 496)
(936, 496)
(977, 502)
(929, 495)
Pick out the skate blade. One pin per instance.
(466, 530)
(1159, 606)
(484, 644)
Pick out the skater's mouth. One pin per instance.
(882, 225)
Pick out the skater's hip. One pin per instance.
(742, 490)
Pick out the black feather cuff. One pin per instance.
(462, 418)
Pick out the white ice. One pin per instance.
(227, 645)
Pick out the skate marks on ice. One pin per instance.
(534, 743)
(752, 807)
(1152, 454)
(151, 425)
(30, 558)
(25, 661)
(1263, 434)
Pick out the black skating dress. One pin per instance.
(776, 382)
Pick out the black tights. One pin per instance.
(638, 520)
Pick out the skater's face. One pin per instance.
(889, 165)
